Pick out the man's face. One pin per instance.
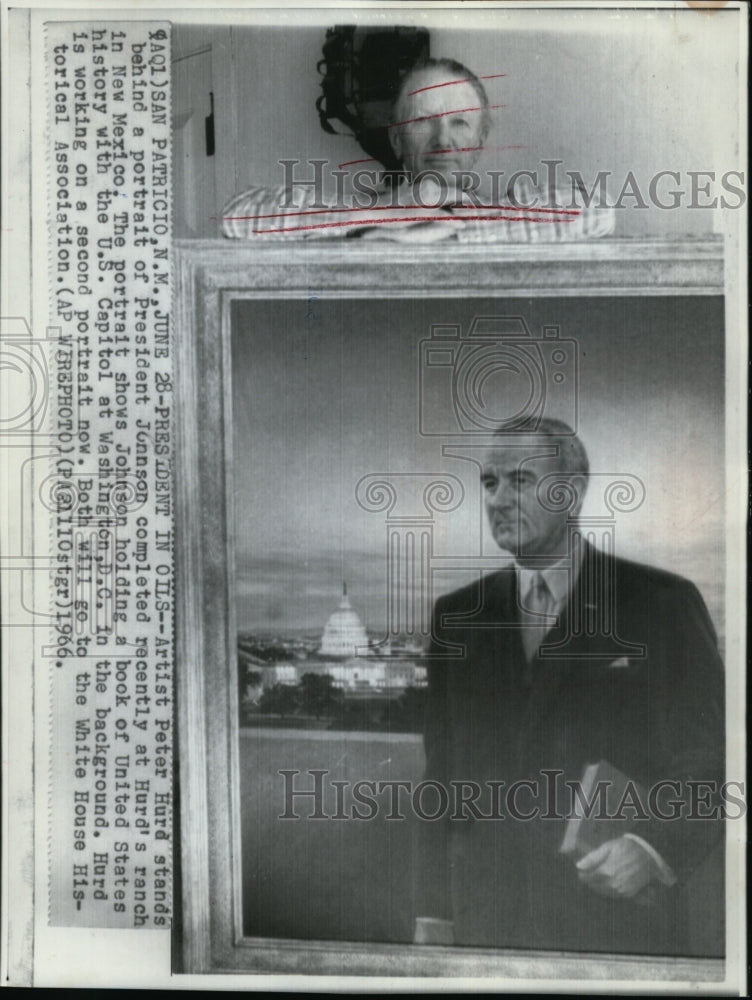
(434, 128)
(519, 522)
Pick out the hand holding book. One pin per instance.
(601, 833)
(619, 867)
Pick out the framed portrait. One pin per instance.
(330, 492)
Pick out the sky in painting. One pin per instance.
(326, 392)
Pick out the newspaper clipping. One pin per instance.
(109, 489)
(373, 441)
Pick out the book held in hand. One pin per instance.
(606, 805)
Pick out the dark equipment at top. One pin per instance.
(362, 69)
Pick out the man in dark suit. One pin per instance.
(570, 657)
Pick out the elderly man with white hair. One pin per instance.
(441, 120)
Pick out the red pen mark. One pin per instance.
(399, 208)
(317, 211)
(500, 217)
(408, 218)
(523, 208)
(443, 114)
(459, 149)
(451, 83)
(467, 149)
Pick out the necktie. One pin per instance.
(538, 603)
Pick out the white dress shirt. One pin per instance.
(560, 579)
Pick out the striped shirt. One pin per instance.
(274, 214)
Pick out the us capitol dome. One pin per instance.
(344, 635)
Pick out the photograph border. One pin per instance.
(36, 953)
(209, 277)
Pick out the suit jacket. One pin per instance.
(630, 674)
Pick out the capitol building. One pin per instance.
(346, 653)
(344, 635)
